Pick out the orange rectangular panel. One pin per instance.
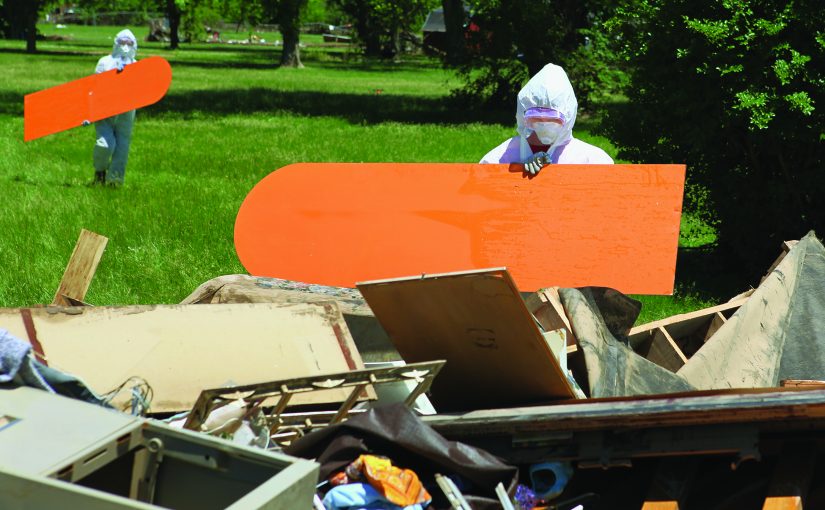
(95, 97)
(571, 225)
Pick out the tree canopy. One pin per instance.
(736, 90)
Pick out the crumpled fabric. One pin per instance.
(19, 368)
(17, 364)
(361, 496)
(398, 485)
(396, 432)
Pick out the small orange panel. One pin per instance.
(95, 97)
(572, 225)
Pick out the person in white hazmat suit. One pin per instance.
(545, 115)
(114, 134)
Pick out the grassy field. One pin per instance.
(230, 118)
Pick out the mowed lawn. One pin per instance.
(230, 118)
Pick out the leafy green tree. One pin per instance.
(509, 41)
(380, 25)
(736, 90)
(18, 20)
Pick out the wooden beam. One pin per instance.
(791, 477)
(81, 268)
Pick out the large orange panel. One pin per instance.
(572, 225)
(95, 97)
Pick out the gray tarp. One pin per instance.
(613, 369)
(779, 333)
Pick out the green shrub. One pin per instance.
(735, 90)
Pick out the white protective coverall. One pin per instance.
(114, 134)
(549, 88)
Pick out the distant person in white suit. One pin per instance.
(114, 134)
(545, 114)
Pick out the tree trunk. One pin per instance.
(173, 13)
(365, 27)
(20, 17)
(289, 21)
(454, 25)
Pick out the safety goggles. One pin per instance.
(542, 114)
(127, 42)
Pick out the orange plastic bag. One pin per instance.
(400, 486)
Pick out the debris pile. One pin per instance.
(448, 391)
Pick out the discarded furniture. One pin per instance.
(56, 452)
(477, 322)
(275, 397)
(181, 349)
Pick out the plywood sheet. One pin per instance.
(478, 322)
(570, 226)
(95, 97)
(182, 349)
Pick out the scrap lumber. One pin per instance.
(81, 269)
(181, 349)
(545, 305)
(478, 322)
(606, 225)
(670, 342)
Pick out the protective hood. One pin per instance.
(123, 52)
(549, 88)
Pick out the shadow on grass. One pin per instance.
(368, 108)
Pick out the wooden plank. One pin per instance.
(95, 97)
(791, 477)
(801, 383)
(602, 225)
(704, 312)
(478, 322)
(81, 268)
(546, 307)
(181, 349)
(664, 351)
(783, 406)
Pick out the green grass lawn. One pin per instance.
(230, 118)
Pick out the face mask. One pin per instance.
(124, 51)
(548, 132)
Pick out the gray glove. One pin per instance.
(536, 162)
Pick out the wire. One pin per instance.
(140, 399)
